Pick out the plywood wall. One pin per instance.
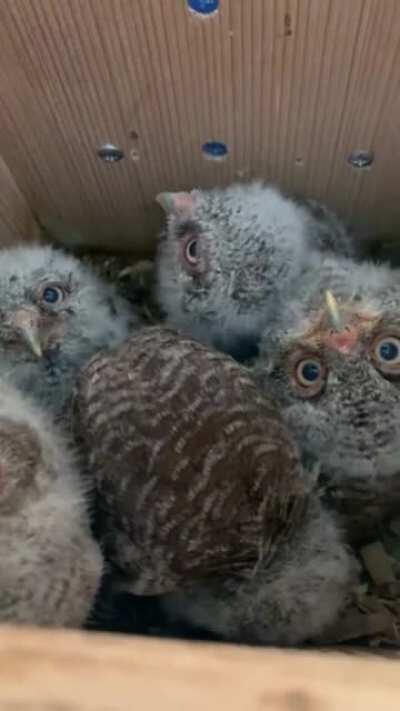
(292, 87)
(17, 221)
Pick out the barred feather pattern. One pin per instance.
(196, 474)
(50, 565)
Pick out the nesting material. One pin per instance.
(373, 616)
(134, 280)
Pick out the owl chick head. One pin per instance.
(334, 367)
(54, 314)
(225, 259)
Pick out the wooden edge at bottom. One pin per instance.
(44, 670)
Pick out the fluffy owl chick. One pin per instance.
(333, 366)
(229, 256)
(200, 489)
(54, 314)
(50, 567)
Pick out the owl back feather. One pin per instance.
(195, 472)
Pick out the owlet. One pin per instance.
(202, 495)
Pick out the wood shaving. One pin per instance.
(373, 614)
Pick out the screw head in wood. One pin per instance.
(361, 159)
(214, 150)
(203, 7)
(110, 153)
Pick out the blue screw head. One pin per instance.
(203, 7)
(215, 149)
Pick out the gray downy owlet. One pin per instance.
(229, 257)
(202, 496)
(333, 365)
(54, 314)
(50, 567)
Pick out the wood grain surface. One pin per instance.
(292, 86)
(72, 671)
(17, 223)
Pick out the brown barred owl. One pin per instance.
(202, 495)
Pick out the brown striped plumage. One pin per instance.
(202, 493)
(195, 472)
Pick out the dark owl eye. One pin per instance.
(389, 350)
(308, 371)
(52, 295)
(309, 375)
(190, 251)
(386, 353)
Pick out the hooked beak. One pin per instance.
(341, 338)
(333, 312)
(26, 323)
(31, 337)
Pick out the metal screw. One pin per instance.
(110, 153)
(361, 159)
(203, 7)
(214, 150)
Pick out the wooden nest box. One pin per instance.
(105, 103)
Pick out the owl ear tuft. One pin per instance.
(178, 204)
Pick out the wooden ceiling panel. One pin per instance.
(17, 223)
(291, 86)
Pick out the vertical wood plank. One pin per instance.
(291, 86)
(17, 223)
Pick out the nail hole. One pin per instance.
(110, 153)
(299, 161)
(241, 173)
(361, 159)
(134, 153)
(288, 25)
(215, 150)
(203, 7)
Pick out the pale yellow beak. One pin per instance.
(31, 338)
(332, 308)
(26, 323)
